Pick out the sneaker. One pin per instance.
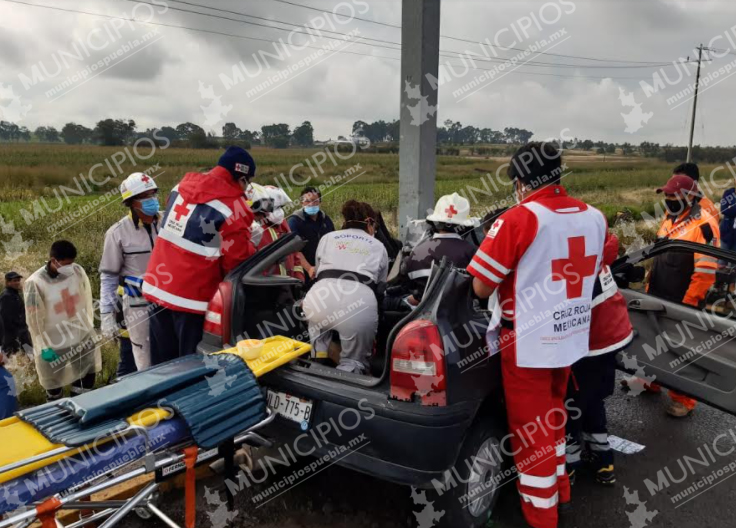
(606, 476)
(678, 410)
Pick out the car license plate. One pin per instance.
(290, 407)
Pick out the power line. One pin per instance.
(450, 37)
(188, 28)
(445, 53)
(551, 74)
(221, 17)
(232, 35)
(730, 52)
(385, 24)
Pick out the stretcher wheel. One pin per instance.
(143, 512)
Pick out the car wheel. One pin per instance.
(473, 488)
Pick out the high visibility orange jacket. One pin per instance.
(707, 205)
(685, 277)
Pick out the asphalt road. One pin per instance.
(337, 497)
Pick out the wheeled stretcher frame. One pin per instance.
(113, 511)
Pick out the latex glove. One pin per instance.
(410, 301)
(48, 354)
(109, 325)
(256, 234)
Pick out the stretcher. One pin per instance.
(164, 420)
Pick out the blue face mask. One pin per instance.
(150, 206)
(311, 209)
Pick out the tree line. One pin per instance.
(117, 132)
(450, 137)
(451, 133)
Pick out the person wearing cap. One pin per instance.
(692, 171)
(13, 314)
(682, 277)
(125, 255)
(205, 232)
(449, 219)
(542, 257)
(687, 280)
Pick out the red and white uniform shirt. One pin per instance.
(610, 328)
(543, 256)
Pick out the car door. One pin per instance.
(689, 349)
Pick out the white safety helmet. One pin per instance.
(258, 198)
(278, 195)
(280, 199)
(453, 209)
(135, 184)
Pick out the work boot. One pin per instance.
(606, 476)
(678, 410)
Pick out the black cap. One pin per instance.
(12, 275)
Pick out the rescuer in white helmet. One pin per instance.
(128, 246)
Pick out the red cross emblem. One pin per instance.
(180, 210)
(574, 268)
(451, 211)
(68, 303)
(145, 179)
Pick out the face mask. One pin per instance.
(675, 207)
(276, 217)
(311, 209)
(150, 206)
(66, 271)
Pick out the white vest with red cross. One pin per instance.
(553, 287)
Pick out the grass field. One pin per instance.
(47, 192)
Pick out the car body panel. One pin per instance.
(406, 442)
(681, 347)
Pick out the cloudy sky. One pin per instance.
(591, 59)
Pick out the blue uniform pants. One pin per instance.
(8, 397)
(126, 365)
(174, 334)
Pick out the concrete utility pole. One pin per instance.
(420, 52)
(695, 104)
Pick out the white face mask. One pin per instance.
(276, 217)
(66, 271)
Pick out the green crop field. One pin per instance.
(48, 192)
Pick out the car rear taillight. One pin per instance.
(418, 364)
(217, 316)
